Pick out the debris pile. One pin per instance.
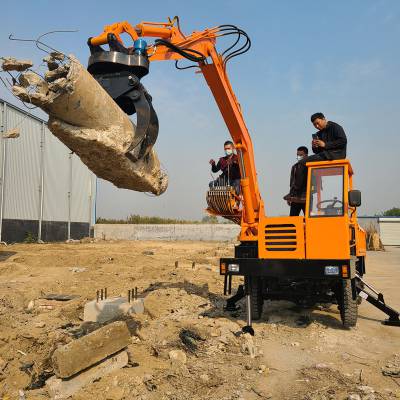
(183, 346)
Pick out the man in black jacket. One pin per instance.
(329, 143)
(296, 198)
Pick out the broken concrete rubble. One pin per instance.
(57, 73)
(86, 119)
(80, 354)
(248, 346)
(11, 133)
(29, 79)
(33, 82)
(177, 356)
(29, 97)
(55, 55)
(52, 64)
(12, 64)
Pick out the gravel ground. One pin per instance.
(296, 353)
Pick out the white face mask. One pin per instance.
(299, 158)
(228, 152)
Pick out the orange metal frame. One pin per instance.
(215, 74)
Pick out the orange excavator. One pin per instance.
(318, 258)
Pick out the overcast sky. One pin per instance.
(338, 57)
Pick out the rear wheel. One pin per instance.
(348, 305)
(257, 300)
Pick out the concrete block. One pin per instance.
(63, 388)
(105, 310)
(84, 352)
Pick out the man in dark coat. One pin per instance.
(296, 198)
(329, 143)
(229, 166)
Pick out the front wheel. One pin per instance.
(348, 305)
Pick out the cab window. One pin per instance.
(326, 199)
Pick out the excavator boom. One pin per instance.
(120, 69)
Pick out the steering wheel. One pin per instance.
(330, 208)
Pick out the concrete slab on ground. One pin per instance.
(84, 352)
(64, 388)
(105, 310)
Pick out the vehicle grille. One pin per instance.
(280, 237)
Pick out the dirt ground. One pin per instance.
(296, 353)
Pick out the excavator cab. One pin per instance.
(331, 228)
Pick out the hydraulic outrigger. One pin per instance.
(376, 299)
(363, 289)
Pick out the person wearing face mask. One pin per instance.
(296, 198)
(229, 166)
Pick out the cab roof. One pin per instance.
(331, 163)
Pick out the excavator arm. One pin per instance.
(120, 69)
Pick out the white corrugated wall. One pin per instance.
(81, 191)
(39, 177)
(22, 167)
(390, 231)
(56, 179)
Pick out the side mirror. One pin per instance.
(354, 198)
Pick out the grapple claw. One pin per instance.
(119, 72)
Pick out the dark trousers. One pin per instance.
(295, 209)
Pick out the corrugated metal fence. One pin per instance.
(390, 231)
(46, 192)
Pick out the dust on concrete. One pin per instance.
(185, 346)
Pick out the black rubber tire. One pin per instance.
(348, 305)
(257, 300)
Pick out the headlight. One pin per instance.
(233, 267)
(331, 270)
